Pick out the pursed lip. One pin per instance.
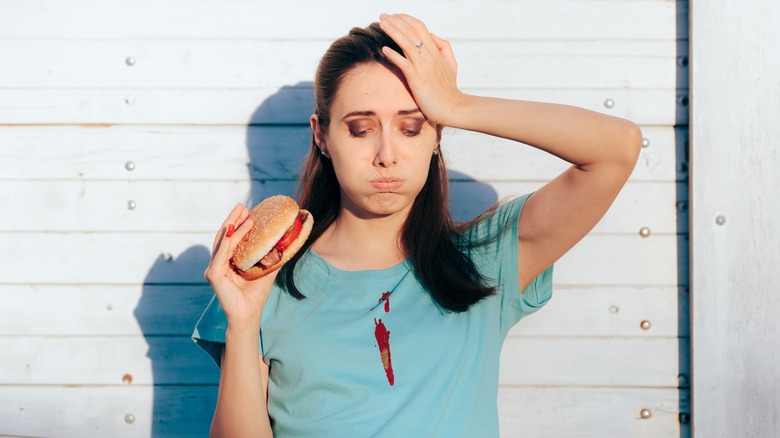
(387, 184)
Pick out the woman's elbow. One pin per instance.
(628, 143)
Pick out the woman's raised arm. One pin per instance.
(602, 149)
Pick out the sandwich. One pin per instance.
(279, 230)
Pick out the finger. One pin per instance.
(229, 228)
(231, 219)
(445, 48)
(234, 222)
(396, 58)
(242, 217)
(404, 35)
(402, 25)
(228, 245)
(413, 23)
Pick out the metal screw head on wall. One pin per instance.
(130, 165)
(609, 103)
(720, 219)
(645, 325)
(129, 418)
(645, 142)
(131, 205)
(645, 413)
(644, 231)
(130, 61)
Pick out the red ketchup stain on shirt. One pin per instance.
(383, 341)
(386, 298)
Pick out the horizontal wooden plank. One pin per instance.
(173, 310)
(130, 411)
(88, 64)
(202, 206)
(592, 412)
(114, 310)
(159, 360)
(594, 19)
(646, 362)
(163, 360)
(133, 258)
(228, 153)
(290, 104)
(187, 411)
(610, 312)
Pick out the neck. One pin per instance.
(359, 243)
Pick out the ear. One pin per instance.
(314, 122)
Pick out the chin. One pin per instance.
(385, 204)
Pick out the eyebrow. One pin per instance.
(372, 113)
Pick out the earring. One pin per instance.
(436, 150)
(324, 152)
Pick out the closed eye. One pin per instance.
(410, 127)
(358, 134)
(359, 128)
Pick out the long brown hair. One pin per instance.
(430, 239)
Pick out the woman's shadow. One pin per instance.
(184, 380)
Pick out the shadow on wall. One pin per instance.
(174, 293)
(182, 383)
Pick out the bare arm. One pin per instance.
(242, 409)
(241, 402)
(602, 149)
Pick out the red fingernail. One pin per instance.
(231, 229)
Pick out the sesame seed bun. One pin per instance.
(271, 220)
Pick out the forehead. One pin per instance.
(372, 87)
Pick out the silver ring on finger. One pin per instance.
(419, 47)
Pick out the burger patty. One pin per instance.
(272, 258)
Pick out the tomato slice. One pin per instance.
(290, 235)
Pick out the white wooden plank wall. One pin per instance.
(735, 249)
(128, 130)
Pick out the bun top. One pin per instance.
(271, 219)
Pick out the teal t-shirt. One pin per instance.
(353, 360)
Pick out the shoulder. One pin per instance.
(501, 219)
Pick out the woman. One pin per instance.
(309, 352)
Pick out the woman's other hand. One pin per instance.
(429, 67)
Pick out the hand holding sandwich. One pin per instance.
(242, 300)
(249, 249)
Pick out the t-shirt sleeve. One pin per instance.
(209, 333)
(496, 255)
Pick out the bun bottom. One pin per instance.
(258, 271)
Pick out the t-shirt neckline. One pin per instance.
(389, 272)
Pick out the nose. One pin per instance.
(386, 154)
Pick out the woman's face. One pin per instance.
(379, 142)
